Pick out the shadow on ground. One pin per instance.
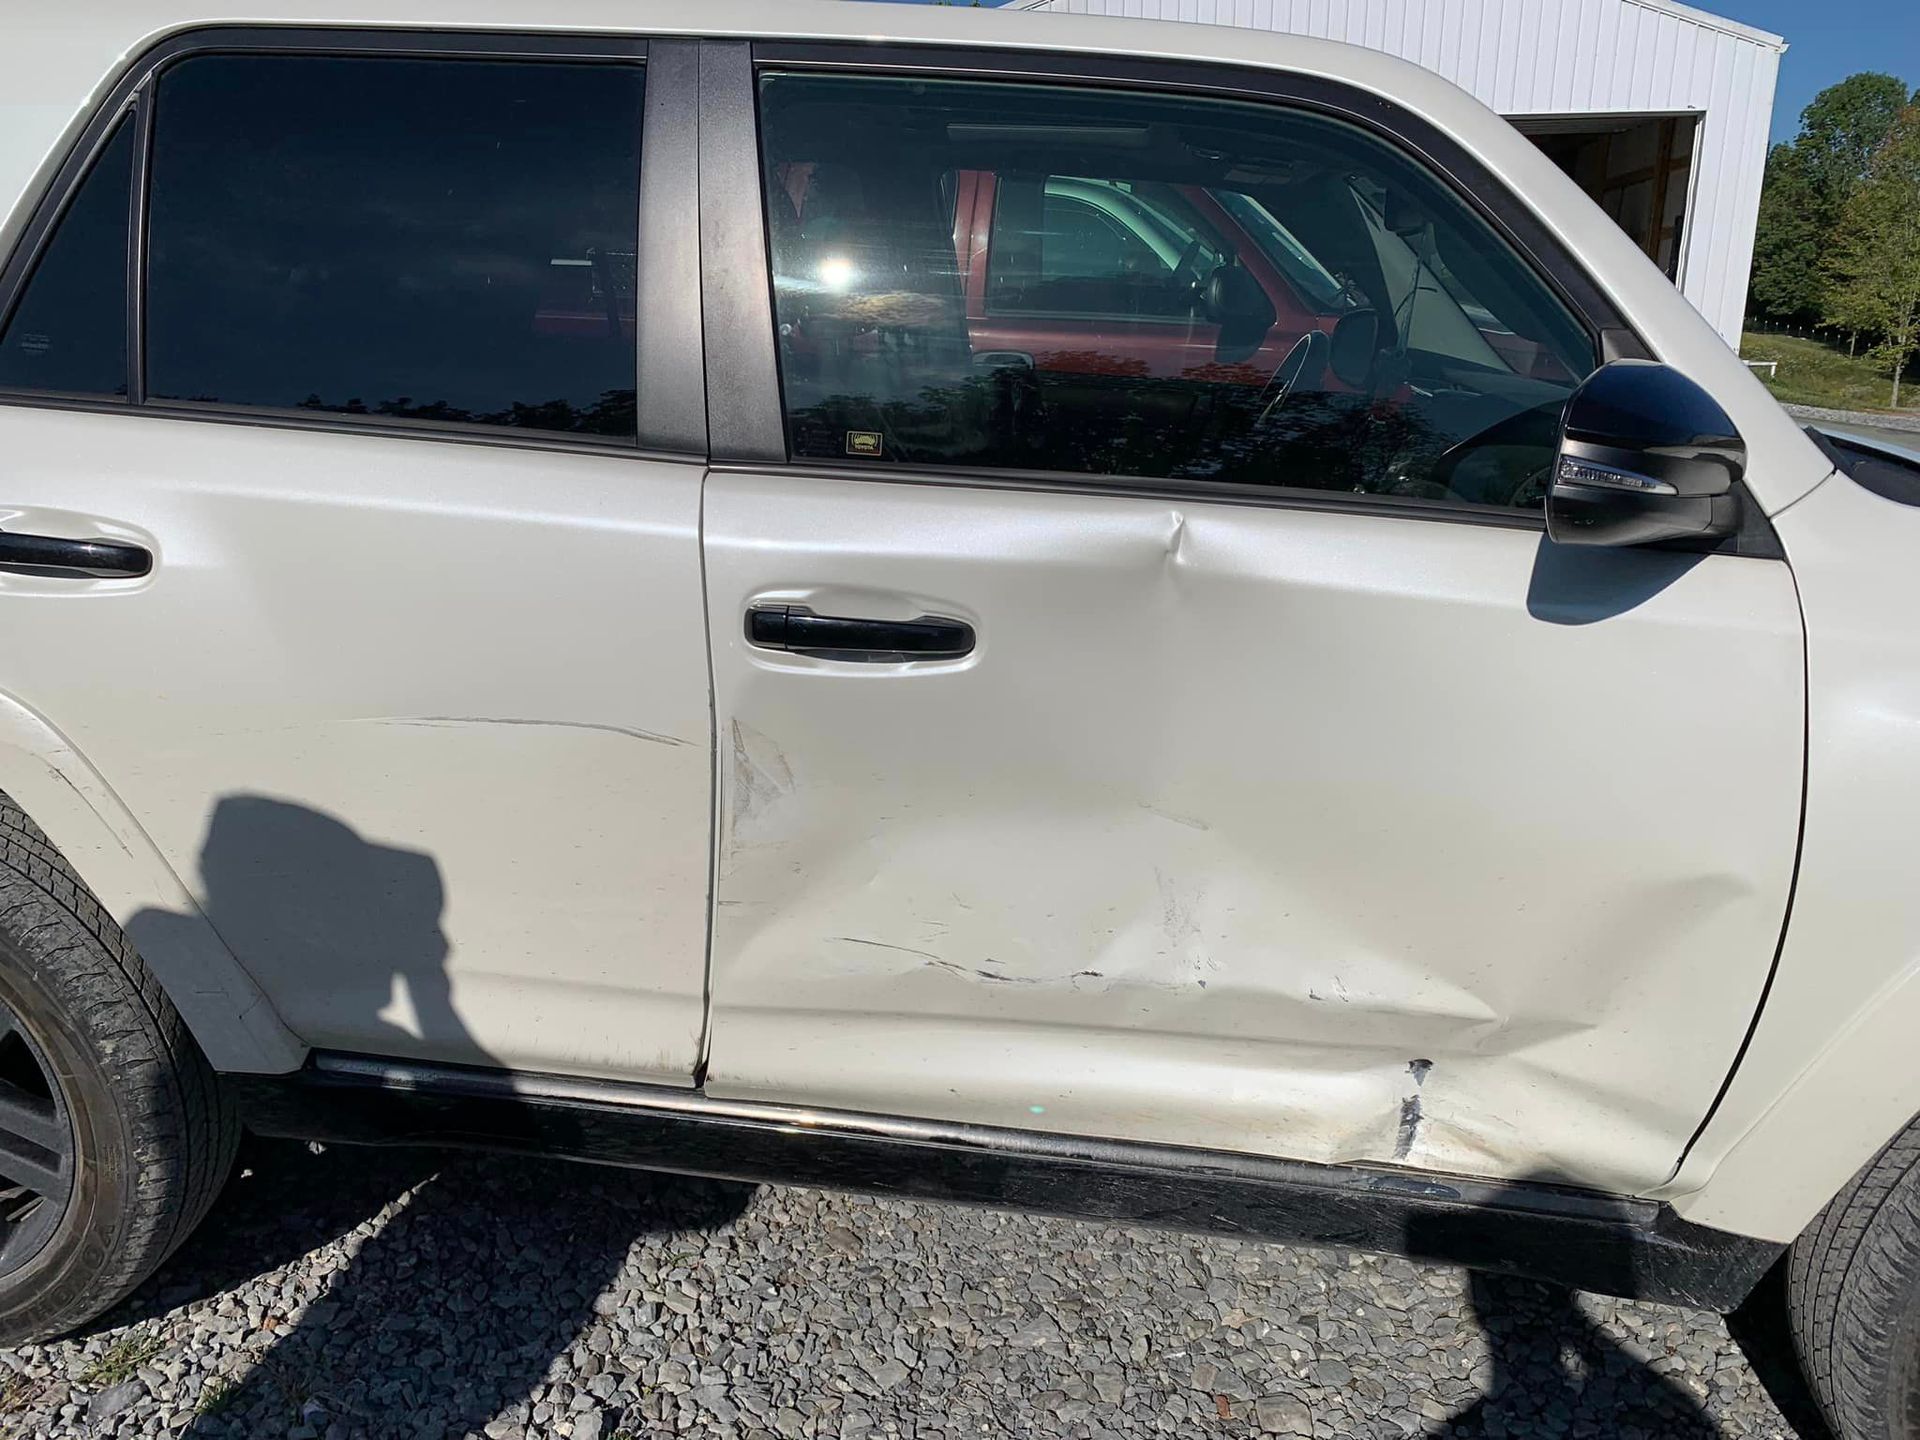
(435, 1324)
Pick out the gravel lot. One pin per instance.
(372, 1293)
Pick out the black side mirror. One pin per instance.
(1356, 341)
(1645, 455)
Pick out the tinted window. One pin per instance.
(69, 332)
(440, 240)
(1033, 277)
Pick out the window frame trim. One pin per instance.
(671, 427)
(1609, 331)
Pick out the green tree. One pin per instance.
(1876, 251)
(1841, 129)
(1788, 282)
(1807, 184)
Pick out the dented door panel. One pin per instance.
(1342, 837)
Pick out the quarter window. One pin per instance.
(1157, 286)
(68, 334)
(447, 241)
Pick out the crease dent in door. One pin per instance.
(1226, 836)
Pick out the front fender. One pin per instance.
(1828, 1074)
(67, 798)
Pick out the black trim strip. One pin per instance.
(1126, 487)
(672, 392)
(137, 247)
(383, 427)
(745, 418)
(1615, 1245)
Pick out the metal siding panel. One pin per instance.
(1556, 23)
(1507, 66)
(1668, 78)
(1525, 81)
(1455, 55)
(1747, 127)
(1716, 146)
(1604, 56)
(1602, 75)
(1427, 50)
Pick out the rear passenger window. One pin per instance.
(448, 241)
(68, 334)
(1040, 278)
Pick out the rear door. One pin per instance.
(1271, 784)
(413, 694)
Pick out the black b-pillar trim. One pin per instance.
(1627, 1247)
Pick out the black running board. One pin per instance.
(1613, 1245)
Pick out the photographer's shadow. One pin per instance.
(482, 1269)
(1551, 1361)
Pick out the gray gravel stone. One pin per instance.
(114, 1399)
(1283, 1415)
(377, 1294)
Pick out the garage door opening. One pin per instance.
(1638, 167)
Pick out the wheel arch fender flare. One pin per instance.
(229, 1015)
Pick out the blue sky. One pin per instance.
(1826, 42)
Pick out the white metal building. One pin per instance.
(1659, 110)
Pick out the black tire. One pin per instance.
(1853, 1291)
(152, 1135)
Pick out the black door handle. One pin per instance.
(797, 629)
(81, 557)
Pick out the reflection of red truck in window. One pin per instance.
(1168, 312)
(1150, 314)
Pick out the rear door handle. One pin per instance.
(797, 630)
(106, 558)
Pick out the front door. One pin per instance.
(1308, 802)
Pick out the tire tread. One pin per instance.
(185, 1127)
(1852, 1278)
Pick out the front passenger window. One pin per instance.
(1029, 277)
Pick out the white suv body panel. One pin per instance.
(1819, 1088)
(1248, 827)
(1829, 1076)
(485, 659)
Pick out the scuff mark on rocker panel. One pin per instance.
(761, 775)
(630, 732)
(1410, 1112)
(1189, 821)
(993, 977)
(887, 945)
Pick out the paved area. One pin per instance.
(1901, 427)
(365, 1293)
(1909, 439)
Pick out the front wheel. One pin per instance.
(114, 1134)
(1853, 1291)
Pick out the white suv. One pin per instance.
(1141, 620)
